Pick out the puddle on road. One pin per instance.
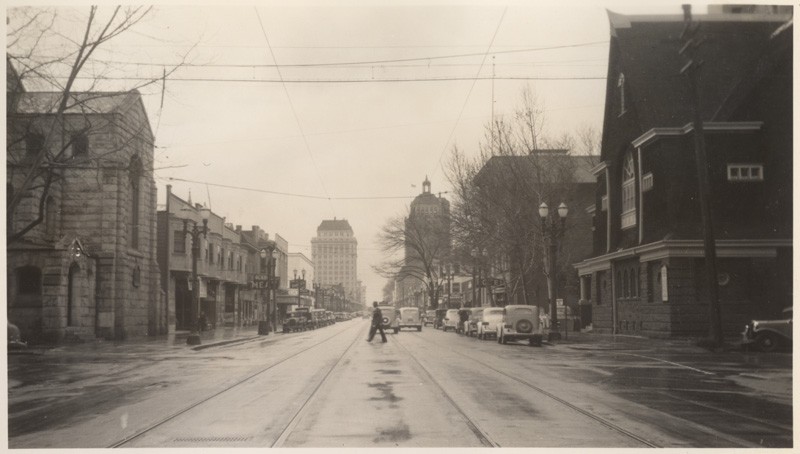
(399, 433)
(387, 393)
(388, 371)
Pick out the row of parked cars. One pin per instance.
(513, 322)
(305, 318)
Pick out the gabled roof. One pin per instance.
(82, 103)
(340, 224)
(645, 49)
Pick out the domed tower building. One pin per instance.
(427, 245)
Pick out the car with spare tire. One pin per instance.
(520, 322)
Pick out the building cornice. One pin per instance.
(745, 248)
(711, 126)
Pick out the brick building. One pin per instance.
(223, 266)
(646, 273)
(88, 269)
(518, 184)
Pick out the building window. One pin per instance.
(135, 170)
(29, 280)
(137, 276)
(34, 142)
(621, 87)
(745, 172)
(628, 192)
(647, 182)
(50, 218)
(80, 144)
(179, 242)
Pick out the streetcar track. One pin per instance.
(301, 411)
(188, 408)
(481, 434)
(586, 413)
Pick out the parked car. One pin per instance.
(471, 325)
(450, 320)
(296, 321)
(430, 318)
(390, 318)
(769, 335)
(520, 322)
(490, 320)
(410, 317)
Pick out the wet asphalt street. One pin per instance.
(330, 388)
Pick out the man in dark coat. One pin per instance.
(377, 323)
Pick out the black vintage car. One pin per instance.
(296, 321)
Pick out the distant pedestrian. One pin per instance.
(377, 323)
(202, 321)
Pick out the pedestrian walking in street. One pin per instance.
(377, 323)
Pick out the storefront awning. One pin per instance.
(293, 300)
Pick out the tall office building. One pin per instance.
(334, 253)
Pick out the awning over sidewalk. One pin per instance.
(293, 300)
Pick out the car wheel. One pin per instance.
(396, 330)
(419, 328)
(768, 342)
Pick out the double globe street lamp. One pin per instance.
(194, 313)
(268, 256)
(553, 231)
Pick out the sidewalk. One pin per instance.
(138, 345)
(588, 340)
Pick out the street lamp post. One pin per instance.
(300, 284)
(475, 275)
(553, 231)
(449, 276)
(194, 313)
(267, 255)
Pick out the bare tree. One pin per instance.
(498, 192)
(417, 247)
(49, 152)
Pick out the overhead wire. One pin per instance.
(359, 80)
(474, 81)
(294, 111)
(291, 194)
(370, 62)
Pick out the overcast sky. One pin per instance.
(332, 131)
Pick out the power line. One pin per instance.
(474, 81)
(374, 62)
(291, 194)
(294, 111)
(352, 81)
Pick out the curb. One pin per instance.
(226, 342)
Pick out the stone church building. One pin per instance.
(88, 267)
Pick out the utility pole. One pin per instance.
(692, 70)
(492, 130)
